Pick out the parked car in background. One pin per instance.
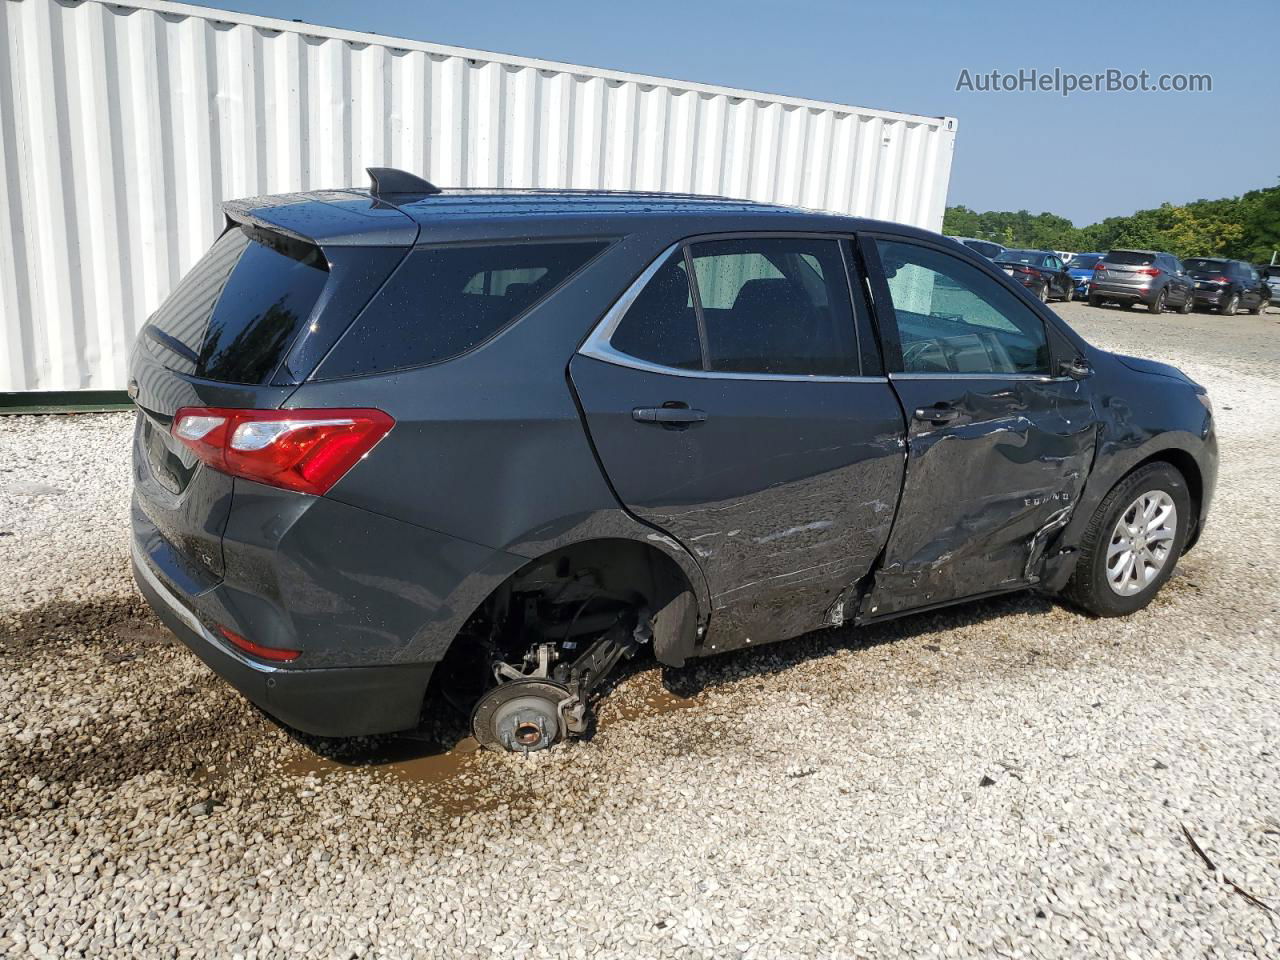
(1227, 285)
(1040, 271)
(1081, 269)
(1151, 277)
(488, 444)
(988, 248)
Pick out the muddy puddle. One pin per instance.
(407, 759)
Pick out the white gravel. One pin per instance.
(1008, 778)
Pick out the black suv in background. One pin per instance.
(1150, 277)
(1040, 271)
(489, 443)
(1227, 285)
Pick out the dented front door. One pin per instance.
(984, 490)
(998, 444)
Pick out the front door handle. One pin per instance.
(681, 415)
(941, 413)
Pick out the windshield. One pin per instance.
(1032, 257)
(1084, 261)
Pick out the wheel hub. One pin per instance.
(520, 716)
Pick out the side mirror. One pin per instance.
(1077, 369)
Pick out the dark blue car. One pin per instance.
(1081, 270)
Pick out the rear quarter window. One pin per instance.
(444, 301)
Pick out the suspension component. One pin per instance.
(533, 709)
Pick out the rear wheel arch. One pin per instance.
(618, 571)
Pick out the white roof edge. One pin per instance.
(308, 29)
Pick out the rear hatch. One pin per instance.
(1127, 267)
(242, 329)
(1205, 272)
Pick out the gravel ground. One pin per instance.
(1007, 778)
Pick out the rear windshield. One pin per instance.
(1021, 256)
(234, 316)
(1203, 265)
(1084, 262)
(444, 301)
(982, 247)
(1130, 258)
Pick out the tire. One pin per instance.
(1157, 305)
(1231, 306)
(1044, 292)
(1090, 586)
(1095, 300)
(1188, 304)
(1261, 308)
(1071, 293)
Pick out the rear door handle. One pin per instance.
(940, 413)
(677, 415)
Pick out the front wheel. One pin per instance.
(1044, 292)
(1157, 305)
(1071, 293)
(1132, 543)
(1261, 308)
(1187, 303)
(1231, 306)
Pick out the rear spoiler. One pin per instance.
(345, 218)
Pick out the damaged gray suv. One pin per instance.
(403, 442)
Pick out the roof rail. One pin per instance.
(390, 180)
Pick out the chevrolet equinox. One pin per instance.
(511, 437)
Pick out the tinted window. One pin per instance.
(1029, 257)
(980, 246)
(1204, 265)
(1085, 263)
(1130, 258)
(234, 316)
(661, 326)
(443, 301)
(776, 305)
(952, 318)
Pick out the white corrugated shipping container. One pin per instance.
(124, 125)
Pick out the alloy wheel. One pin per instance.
(1141, 542)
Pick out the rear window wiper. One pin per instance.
(173, 344)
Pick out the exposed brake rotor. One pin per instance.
(520, 716)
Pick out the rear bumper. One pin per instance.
(327, 702)
(1212, 297)
(1119, 291)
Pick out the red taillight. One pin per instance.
(265, 653)
(1149, 271)
(1099, 266)
(1221, 280)
(303, 450)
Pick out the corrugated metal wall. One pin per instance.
(123, 125)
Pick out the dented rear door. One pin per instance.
(998, 446)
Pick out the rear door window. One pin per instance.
(776, 305)
(444, 301)
(661, 326)
(234, 316)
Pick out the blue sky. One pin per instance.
(1086, 157)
